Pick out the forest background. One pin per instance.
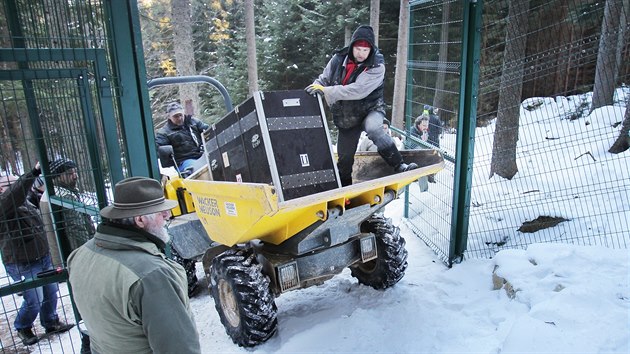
(533, 48)
(295, 38)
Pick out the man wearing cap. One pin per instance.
(132, 297)
(25, 254)
(77, 226)
(183, 133)
(352, 84)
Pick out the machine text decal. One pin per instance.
(208, 206)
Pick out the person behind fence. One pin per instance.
(183, 133)
(77, 226)
(25, 254)
(435, 126)
(365, 144)
(420, 128)
(352, 84)
(132, 298)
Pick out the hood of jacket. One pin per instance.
(365, 33)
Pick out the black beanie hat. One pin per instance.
(60, 166)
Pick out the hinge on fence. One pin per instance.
(104, 88)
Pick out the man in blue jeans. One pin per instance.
(25, 253)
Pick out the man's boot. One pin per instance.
(403, 167)
(392, 156)
(58, 327)
(27, 336)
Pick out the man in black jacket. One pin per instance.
(25, 253)
(183, 133)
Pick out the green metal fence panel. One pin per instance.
(538, 80)
(130, 75)
(435, 79)
(539, 133)
(71, 82)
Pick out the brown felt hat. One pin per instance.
(136, 196)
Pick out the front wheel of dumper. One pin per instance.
(242, 297)
(390, 265)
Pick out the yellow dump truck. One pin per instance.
(259, 239)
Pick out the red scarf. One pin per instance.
(350, 66)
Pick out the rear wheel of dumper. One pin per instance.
(242, 297)
(390, 265)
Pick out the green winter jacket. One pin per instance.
(133, 299)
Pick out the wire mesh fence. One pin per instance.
(562, 133)
(433, 95)
(546, 118)
(548, 113)
(53, 56)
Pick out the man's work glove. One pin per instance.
(314, 89)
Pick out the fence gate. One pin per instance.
(63, 95)
(441, 74)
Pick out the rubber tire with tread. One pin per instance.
(243, 298)
(386, 270)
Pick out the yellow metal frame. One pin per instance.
(170, 192)
(233, 213)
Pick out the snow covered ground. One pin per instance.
(573, 299)
(569, 299)
(548, 298)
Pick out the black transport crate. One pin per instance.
(280, 138)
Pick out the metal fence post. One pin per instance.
(469, 85)
(135, 111)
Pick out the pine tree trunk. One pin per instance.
(347, 35)
(563, 57)
(375, 9)
(442, 58)
(506, 132)
(623, 141)
(250, 37)
(184, 53)
(606, 71)
(7, 152)
(400, 80)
